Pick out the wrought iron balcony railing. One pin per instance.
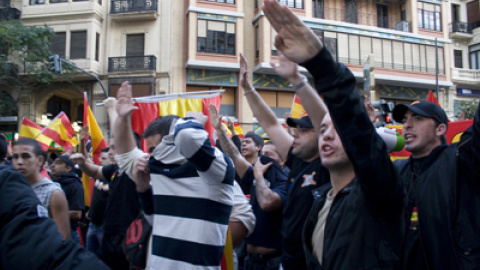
(132, 63)
(129, 6)
(459, 27)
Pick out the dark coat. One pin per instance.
(363, 228)
(29, 239)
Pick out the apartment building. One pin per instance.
(172, 46)
(465, 36)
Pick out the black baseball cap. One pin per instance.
(422, 108)
(303, 122)
(63, 158)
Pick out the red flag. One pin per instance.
(431, 97)
(146, 113)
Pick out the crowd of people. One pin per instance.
(323, 194)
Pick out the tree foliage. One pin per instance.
(24, 53)
(469, 108)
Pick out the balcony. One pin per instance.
(460, 30)
(132, 63)
(134, 9)
(466, 76)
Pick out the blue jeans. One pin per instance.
(75, 237)
(94, 238)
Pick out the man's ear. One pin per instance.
(441, 129)
(68, 168)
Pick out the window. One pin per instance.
(56, 104)
(382, 15)
(429, 16)
(223, 1)
(97, 47)
(57, 1)
(5, 3)
(457, 55)
(37, 2)
(57, 45)
(351, 11)
(474, 57)
(78, 45)
(318, 9)
(216, 37)
(329, 40)
(292, 3)
(135, 45)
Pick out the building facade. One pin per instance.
(194, 45)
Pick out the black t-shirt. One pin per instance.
(304, 177)
(73, 188)
(268, 226)
(99, 201)
(122, 203)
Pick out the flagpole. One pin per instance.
(175, 95)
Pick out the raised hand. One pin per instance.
(244, 77)
(370, 110)
(216, 119)
(83, 133)
(141, 173)
(231, 126)
(110, 103)
(124, 100)
(294, 39)
(287, 69)
(259, 169)
(78, 158)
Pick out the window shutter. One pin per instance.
(135, 45)
(58, 44)
(78, 45)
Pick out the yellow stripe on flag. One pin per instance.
(30, 132)
(180, 106)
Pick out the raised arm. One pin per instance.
(311, 101)
(122, 129)
(241, 164)
(265, 116)
(81, 158)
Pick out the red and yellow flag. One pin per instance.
(61, 131)
(150, 109)
(31, 130)
(97, 142)
(227, 258)
(297, 108)
(96, 136)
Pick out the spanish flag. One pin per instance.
(297, 108)
(96, 138)
(61, 131)
(31, 130)
(94, 130)
(150, 108)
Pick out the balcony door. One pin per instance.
(135, 45)
(351, 11)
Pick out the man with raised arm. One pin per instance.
(355, 221)
(266, 183)
(185, 188)
(306, 172)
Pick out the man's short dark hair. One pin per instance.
(255, 138)
(104, 150)
(160, 126)
(37, 150)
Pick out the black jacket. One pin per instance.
(363, 228)
(447, 189)
(28, 238)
